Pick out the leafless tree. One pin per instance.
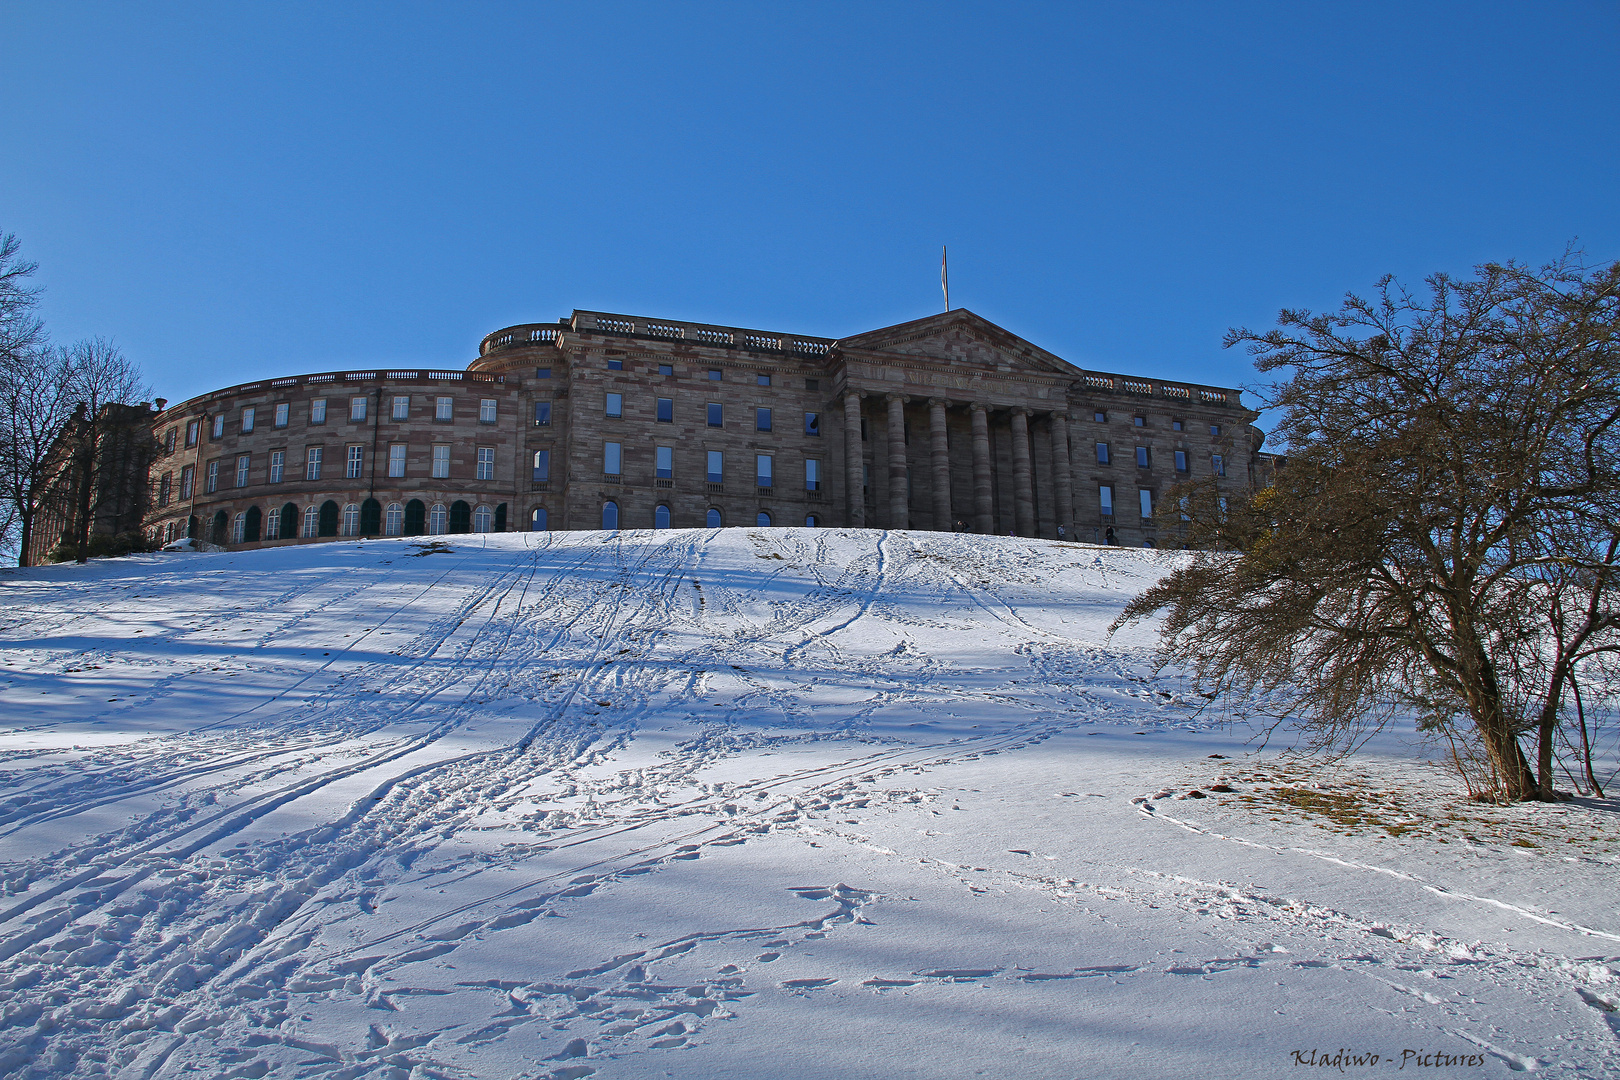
(35, 405)
(97, 378)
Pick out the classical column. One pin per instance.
(1023, 493)
(899, 518)
(854, 460)
(1062, 485)
(941, 461)
(982, 507)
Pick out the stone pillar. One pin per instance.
(982, 507)
(940, 459)
(854, 460)
(1062, 485)
(899, 515)
(1023, 493)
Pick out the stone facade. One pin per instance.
(599, 420)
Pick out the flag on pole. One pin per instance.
(944, 281)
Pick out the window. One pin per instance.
(402, 407)
(1175, 425)
(666, 369)
(188, 476)
(272, 525)
(438, 520)
(1102, 453)
(812, 424)
(486, 464)
(762, 469)
(168, 441)
(615, 405)
(357, 412)
(542, 465)
(610, 515)
(542, 414)
(615, 365)
(1184, 515)
(715, 416)
(191, 432)
(763, 520)
(717, 462)
(660, 516)
(666, 410)
(278, 465)
(539, 519)
(354, 462)
(1142, 460)
(394, 519)
(317, 411)
(1215, 429)
(482, 519)
(1218, 463)
(811, 521)
(351, 519)
(312, 463)
(612, 459)
(716, 375)
(219, 425)
(1146, 496)
(238, 527)
(283, 414)
(396, 459)
(441, 461)
(1181, 461)
(812, 384)
(712, 519)
(212, 484)
(444, 408)
(1100, 416)
(664, 462)
(242, 462)
(312, 520)
(764, 380)
(1105, 500)
(812, 474)
(1139, 421)
(164, 486)
(542, 373)
(762, 419)
(486, 410)
(247, 419)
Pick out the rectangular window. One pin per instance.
(1102, 453)
(717, 467)
(354, 462)
(164, 486)
(812, 424)
(441, 461)
(1142, 461)
(357, 408)
(542, 414)
(247, 419)
(716, 375)
(278, 465)
(615, 365)
(762, 419)
(1175, 425)
(396, 459)
(1139, 421)
(542, 373)
(312, 463)
(486, 410)
(191, 432)
(168, 441)
(812, 474)
(188, 477)
(402, 407)
(444, 408)
(1100, 416)
(762, 469)
(1105, 500)
(664, 462)
(612, 459)
(615, 405)
(283, 413)
(812, 384)
(764, 380)
(1219, 464)
(715, 417)
(1181, 461)
(666, 410)
(219, 425)
(542, 465)
(211, 485)
(1215, 429)
(317, 411)
(1146, 495)
(242, 463)
(486, 463)
(666, 369)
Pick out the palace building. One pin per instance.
(602, 421)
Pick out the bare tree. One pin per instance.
(1452, 458)
(35, 404)
(98, 379)
(20, 328)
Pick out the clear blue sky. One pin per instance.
(234, 190)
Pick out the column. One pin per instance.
(1062, 485)
(941, 461)
(1023, 494)
(854, 460)
(899, 517)
(982, 511)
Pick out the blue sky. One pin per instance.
(233, 191)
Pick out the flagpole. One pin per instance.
(944, 278)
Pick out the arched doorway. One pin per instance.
(610, 515)
(660, 516)
(329, 519)
(217, 534)
(500, 518)
(713, 519)
(370, 517)
(415, 518)
(763, 521)
(253, 525)
(289, 521)
(460, 517)
(537, 520)
(193, 527)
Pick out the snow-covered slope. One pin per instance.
(728, 803)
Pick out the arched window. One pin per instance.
(811, 521)
(460, 517)
(415, 518)
(351, 519)
(537, 520)
(610, 515)
(660, 516)
(395, 524)
(438, 520)
(763, 521)
(713, 518)
(289, 521)
(329, 518)
(221, 524)
(312, 520)
(253, 524)
(482, 518)
(370, 517)
(238, 527)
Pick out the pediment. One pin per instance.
(960, 337)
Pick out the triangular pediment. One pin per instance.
(960, 337)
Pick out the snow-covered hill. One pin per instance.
(729, 803)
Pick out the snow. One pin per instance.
(731, 803)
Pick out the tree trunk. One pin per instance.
(27, 519)
(1495, 731)
(1546, 726)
